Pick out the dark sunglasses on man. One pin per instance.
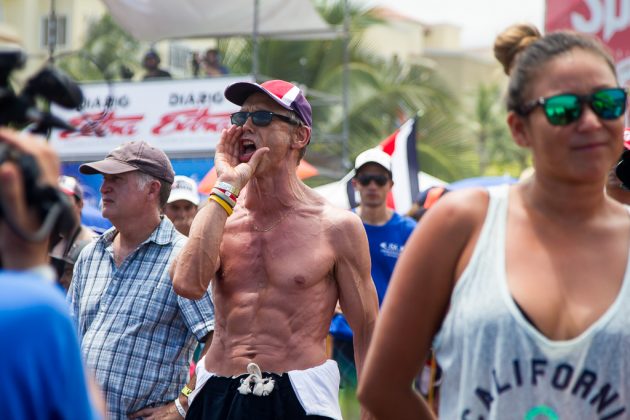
(566, 108)
(365, 179)
(259, 118)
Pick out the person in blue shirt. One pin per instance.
(387, 233)
(212, 63)
(42, 374)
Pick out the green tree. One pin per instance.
(107, 50)
(498, 153)
(382, 94)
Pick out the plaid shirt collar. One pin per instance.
(162, 235)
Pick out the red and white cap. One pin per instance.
(70, 186)
(286, 94)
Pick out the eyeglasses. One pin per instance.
(365, 179)
(259, 118)
(607, 104)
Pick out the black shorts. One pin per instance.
(219, 399)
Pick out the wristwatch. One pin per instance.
(186, 391)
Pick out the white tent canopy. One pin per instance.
(154, 20)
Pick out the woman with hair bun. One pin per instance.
(523, 291)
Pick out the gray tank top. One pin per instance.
(498, 366)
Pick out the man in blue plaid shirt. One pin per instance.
(137, 335)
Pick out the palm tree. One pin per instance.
(382, 93)
(107, 53)
(498, 154)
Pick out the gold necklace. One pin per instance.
(274, 224)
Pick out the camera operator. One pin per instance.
(42, 371)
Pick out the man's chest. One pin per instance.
(286, 259)
(136, 289)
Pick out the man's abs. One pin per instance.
(279, 332)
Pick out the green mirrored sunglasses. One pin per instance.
(563, 109)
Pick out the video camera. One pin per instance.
(623, 169)
(53, 206)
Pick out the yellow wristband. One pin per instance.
(222, 203)
(224, 197)
(186, 391)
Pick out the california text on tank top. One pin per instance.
(498, 366)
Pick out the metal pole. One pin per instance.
(345, 161)
(255, 68)
(52, 31)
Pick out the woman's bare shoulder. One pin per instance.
(462, 208)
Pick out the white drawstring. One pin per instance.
(262, 386)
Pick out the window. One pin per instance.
(55, 31)
(179, 57)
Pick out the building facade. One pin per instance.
(43, 32)
(437, 46)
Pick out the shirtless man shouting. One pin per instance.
(278, 257)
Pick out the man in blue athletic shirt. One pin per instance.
(387, 233)
(387, 230)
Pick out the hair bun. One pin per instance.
(512, 41)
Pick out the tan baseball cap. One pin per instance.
(133, 156)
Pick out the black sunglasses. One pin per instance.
(563, 109)
(365, 179)
(259, 118)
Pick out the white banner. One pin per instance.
(182, 117)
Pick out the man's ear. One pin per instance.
(154, 189)
(519, 129)
(302, 136)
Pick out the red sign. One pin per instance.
(609, 20)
